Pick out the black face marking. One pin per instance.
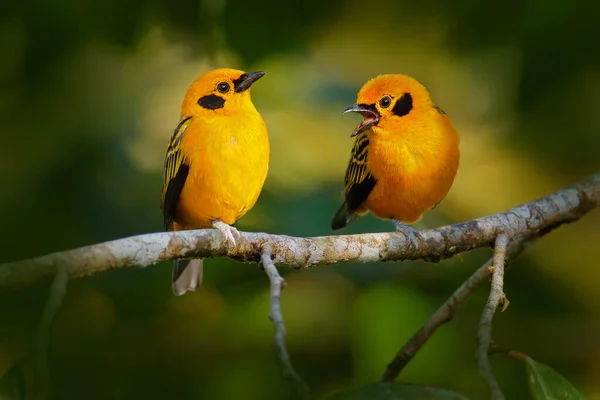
(223, 87)
(403, 105)
(385, 102)
(211, 102)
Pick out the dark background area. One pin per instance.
(91, 93)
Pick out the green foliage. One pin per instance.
(396, 391)
(376, 344)
(284, 26)
(544, 384)
(547, 384)
(12, 384)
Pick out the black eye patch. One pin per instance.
(403, 105)
(211, 102)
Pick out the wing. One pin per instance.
(175, 173)
(359, 181)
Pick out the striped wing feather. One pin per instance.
(358, 180)
(175, 173)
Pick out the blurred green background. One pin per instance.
(91, 93)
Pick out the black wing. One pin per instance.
(175, 173)
(359, 182)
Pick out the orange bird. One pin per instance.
(405, 156)
(216, 162)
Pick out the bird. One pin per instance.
(405, 156)
(216, 163)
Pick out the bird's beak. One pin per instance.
(370, 114)
(246, 80)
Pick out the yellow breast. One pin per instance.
(229, 160)
(414, 168)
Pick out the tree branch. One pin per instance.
(519, 226)
(495, 298)
(561, 207)
(276, 317)
(446, 312)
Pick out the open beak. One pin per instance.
(370, 114)
(246, 80)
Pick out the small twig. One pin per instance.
(276, 317)
(56, 294)
(444, 314)
(495, 299)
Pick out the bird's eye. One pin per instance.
(223, 87)
(385, 101)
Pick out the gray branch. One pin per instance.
(276, 317)
(561, 207)
(495, 298)
(519, 226)
(447, 311)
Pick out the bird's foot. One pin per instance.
(230, 234)
(408, 231)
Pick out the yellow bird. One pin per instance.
(405, 156)
(216, 162)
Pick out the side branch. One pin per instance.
(276, 317)
(446, 313)
(495, 298)
(561, 207)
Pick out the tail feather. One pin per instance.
(343, 217)
(187, 275)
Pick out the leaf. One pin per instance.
(547, 384)
(396, 391)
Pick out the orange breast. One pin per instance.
(228, 159)
(414, 168)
